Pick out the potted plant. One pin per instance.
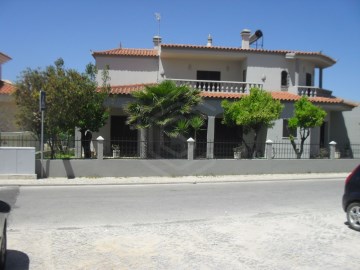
(116, 150)
(237, 151)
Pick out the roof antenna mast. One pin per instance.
(158, 18)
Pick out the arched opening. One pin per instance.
(284, 80)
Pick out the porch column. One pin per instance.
(320, 77)
(297, 67)
(210, 137)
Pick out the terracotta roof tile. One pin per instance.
(238, 49)
(128, 52)
(6, 88)
(127, 89)
(153, 52)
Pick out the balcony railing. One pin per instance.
(312, 91)
(218, 86)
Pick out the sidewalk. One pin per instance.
(167, 180)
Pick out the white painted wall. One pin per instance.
(134, 70)
(187, 68)
(128, 70)
(268, 65)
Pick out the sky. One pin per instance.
(34, 33)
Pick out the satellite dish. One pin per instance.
(254, 37)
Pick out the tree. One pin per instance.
(73, 100)
(306, 116)
(87, 104)
(165, 106)
(252, 112)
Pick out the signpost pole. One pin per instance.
(42, 109)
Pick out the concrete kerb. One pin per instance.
(169, 180)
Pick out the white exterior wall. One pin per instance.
(187, 68)
(129, 70)
(306, 67)
(271, 66)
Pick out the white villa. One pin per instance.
(223, 73)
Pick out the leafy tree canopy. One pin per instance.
(73, 99)
(253, 111)
(164, 105)
(306, 116)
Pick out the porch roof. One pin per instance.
(4, 58)
(279, 95)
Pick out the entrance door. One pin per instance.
(323, 135)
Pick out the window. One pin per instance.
(208, 76)
(284, 79)
(288, 131)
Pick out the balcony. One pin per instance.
(312, 91)
(218, 86)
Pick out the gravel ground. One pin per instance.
(310, 240)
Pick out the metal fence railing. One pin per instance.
(177, 149)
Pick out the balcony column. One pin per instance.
(210, 137)
(320, 77)
(297, 76)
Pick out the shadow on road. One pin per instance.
(17, 260)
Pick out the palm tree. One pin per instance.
(164, 106)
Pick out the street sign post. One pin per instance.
(42, 106)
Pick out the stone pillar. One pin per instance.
(191, 143)
(320, 78)
(269, 149)
(332, 149)
(210, 137)
(78, 149)
(100, 148)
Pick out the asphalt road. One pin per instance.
(259, 225)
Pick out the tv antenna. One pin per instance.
(158, 18)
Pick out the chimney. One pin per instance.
(245, 35)
(209, 42)
(157, 42)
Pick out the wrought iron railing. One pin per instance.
(178, 149)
